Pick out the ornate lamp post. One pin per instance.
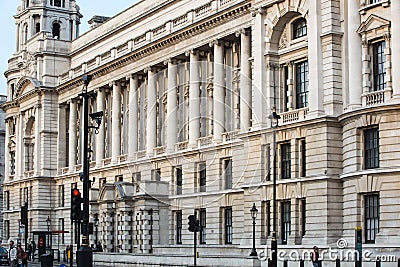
(96, 225)
(254, 212)
(48, 222)
(274, 117)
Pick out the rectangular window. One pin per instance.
(203, 221)
(267, 162)
(303, 158)
(371, 217)
(266, 218)
(302, 84)
(26, 195)
(303, 216)
(379, 60)
(29, 149)
(156, 174)
(7, 199)
(12, 162)
(202, 177)
(6, 229)
(179, 227)
(371, 148)
(119, 178)
(61, 227)
(61, 195)
(228, 225)
(227, 172)
(285, 161)
(285, 219)
(178, 179)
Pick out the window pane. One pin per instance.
(371, 217)
(302, 84)
(379, 58)
(299, 28)
(371, 148)
(285, 161)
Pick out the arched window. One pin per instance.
(299, 28)
(37, 29)
(56, 30)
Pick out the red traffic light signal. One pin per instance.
(76, 193)
(76, 201)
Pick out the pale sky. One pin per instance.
(89, 8)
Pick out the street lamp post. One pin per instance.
(254, 212)
(48, 222)
(96, 225)
(274, 244)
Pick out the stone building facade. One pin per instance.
(187, 89)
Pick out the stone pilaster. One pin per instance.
(171, 120)
(133, 116)
(194, 99)
(219, 92)
(73, 113)
(151, 133)
(354, 52)
(395, 32)
(116, 122)
(37, 148)
(316, 94)
(100, 102)
(245, 81)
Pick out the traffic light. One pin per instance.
(24, 215)
(192, 223)
(75, 204)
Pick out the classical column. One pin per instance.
(395, 31)
(7, 150)
(219, 91)
(260, 107)
(245, 81)
(316, 94)
(37, 148)
(133, 117)
(72, 134)
(116, 122)
(355, 60)
(194, 99)
(171, 120)
(151, 127)
(290, 87)
(100, 138)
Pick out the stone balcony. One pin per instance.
(293, 116)
(376, 97)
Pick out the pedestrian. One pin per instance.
(29, 250)
(12, 255)
(315, 257)
(33, 249)
(20, 255)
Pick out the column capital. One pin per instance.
(170, 61)
(215, 42)
(112, 83)
(257, 10)
(150, 69)
(244, 31)
(192, 51)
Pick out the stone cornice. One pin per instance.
(159, 44)
(32, 93)
(350, 115)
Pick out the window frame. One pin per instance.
(301, 70)
(203, 225)
(285, 221)
(371, 153)
(227, 173)
(178, 180)
(378, 66)
(285, 157)
(368, 230)
(202, 177)
(178, 229)
(299, 28)
(228, 225)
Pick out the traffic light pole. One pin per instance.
(84, 256)
(195, 247)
